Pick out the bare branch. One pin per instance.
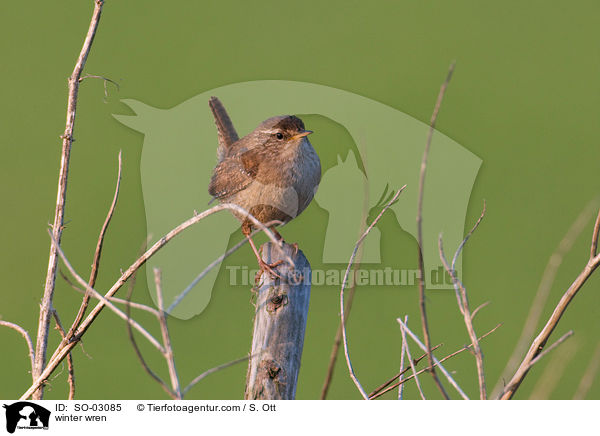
(540, 341)
(594, 249)
(463, 305)
(98, 252)
(442, 369)
(164, 329)
(71, 369)
(61, 197)
(105, 80)
(106, 302)
(543, 291)
(65, 347)
(410, 359)
(478, 308)
(345, 281)
(137, 350)
(554, 371)
(422, 307)
(383, 389)
(27, 338)
(402, 355)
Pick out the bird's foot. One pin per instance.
(268, 268)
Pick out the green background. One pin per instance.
(524, 99)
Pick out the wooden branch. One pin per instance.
(543, 291)
(463, 305)
(422, 307)
(136, 348)
(57, 227)
(410, 359)
(166, 337)
(540, 341)
(98, 252)
(70, 367)
(279, 326)
(345, 282)
(386, 387)
(63, 349)
(27, 338)
(435, 361)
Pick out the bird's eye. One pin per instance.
(279, 135)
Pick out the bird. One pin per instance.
(273, 173)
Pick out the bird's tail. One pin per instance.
(225, 129)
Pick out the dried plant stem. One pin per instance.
(424, 323)
(164, 329)
(98, 252)
(554, 371)
(543, 291)
(344, 283)
(27, 338)
(463, 305)
(57, 226)
(410, 359)
(213, 370)
(386, 387)
(70, 367)
(65, 347)
(402, 356)
(435, 361)
(540, 341)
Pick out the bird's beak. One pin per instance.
(301, 134)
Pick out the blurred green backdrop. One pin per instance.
(524, 98)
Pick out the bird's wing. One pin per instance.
(233, 175)
(225, 129)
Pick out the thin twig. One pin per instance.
(98, 252)
(402, 355)
(588, 376)
(64, 348)
(422, 307)
(442, 369)
(136, 348)
(106, 80)
(164, 329)
(410, 359)
(543, 291)
(463, 305)
(383, 389)
(212, 371)
(400, 374)
(478, 308)
(338, 339)
(345, 281)
(61, 197)
(71, 368)
(540, 341)
(554, 371)
(27, 338)
(106, 302)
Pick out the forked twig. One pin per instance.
(386, 387)
(61, 197)
(435, 361)
(345, 281)
(543, 291)
(64, 348)
(463, 304)
(410, 359)
(424, 323)
(70, 367)
(166, 337)
(540, 341)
